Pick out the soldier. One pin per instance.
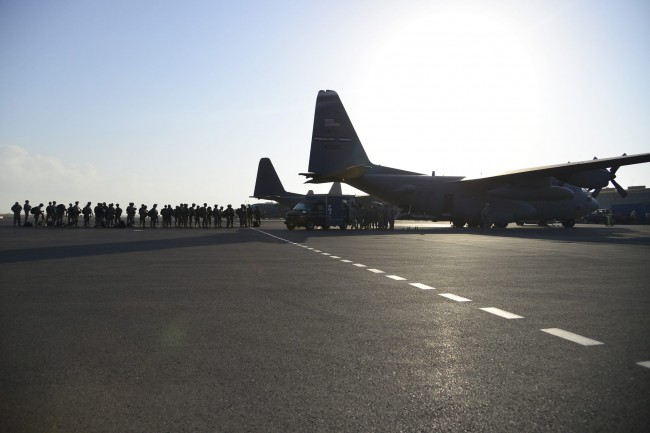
(200, 214)
(60, 213)
(76, 211)
(191, 214)
(143, 215)
(257, 213)
(110, 216)
(130, 215)
(26, 208)
(153, 215)
(50, 211)
(87, 212)
(17, 209)
(38, 213)
(229, 213)
(118, 214)
(216, 213)
(99, 215)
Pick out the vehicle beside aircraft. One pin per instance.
(557, 192)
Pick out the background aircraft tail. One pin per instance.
(268, 183)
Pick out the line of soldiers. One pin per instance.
(377, 216)
(181, 216)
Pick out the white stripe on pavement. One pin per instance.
(422, 286)
(502, 313)
(455, 297)
(395, 277)
(359, 265)
(645, 364)
(376, 271)
(346, 261)
(571, 336)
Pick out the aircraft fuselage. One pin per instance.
(446, 198)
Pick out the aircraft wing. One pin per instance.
(593, 174)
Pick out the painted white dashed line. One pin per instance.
(334, 257)
(502, 313)
(317, 251)
(454, 297)
(359, 265)
(346, 261)
(396, 278)
(326, 254)
(571, 336)
(422, 286)
(645, 364)
(376, 271)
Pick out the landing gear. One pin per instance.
(569, 223)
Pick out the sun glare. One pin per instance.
(456, 82)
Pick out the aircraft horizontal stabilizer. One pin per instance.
(339, 176)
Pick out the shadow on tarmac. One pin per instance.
(99, 249)
(609, 235)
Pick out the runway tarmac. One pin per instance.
(428, 329)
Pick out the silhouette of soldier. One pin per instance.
(143, 215)
(26, 208)
(87, 211)
(130, 215)
(17, 209)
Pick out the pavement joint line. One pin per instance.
(502, 313)
(396, 278)
(422, 286)
(376, 271)
(454, 297)
(645, 364)
(579, 339)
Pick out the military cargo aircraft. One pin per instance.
(269, 187)
(551, 193)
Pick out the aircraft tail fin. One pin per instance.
(336, 151)
(268, 183)
(335, 146)
(336, 189)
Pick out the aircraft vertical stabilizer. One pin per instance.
(336, 189)
(335, 146)
(267, 183)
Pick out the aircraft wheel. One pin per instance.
(501, 225)
(291, 226)
(343, 226)
(568, 223)
(326, 227)
(309, 225)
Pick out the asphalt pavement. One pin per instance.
(423, 328)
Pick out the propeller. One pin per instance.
(619, 188)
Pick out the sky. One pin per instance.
(175, 102)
